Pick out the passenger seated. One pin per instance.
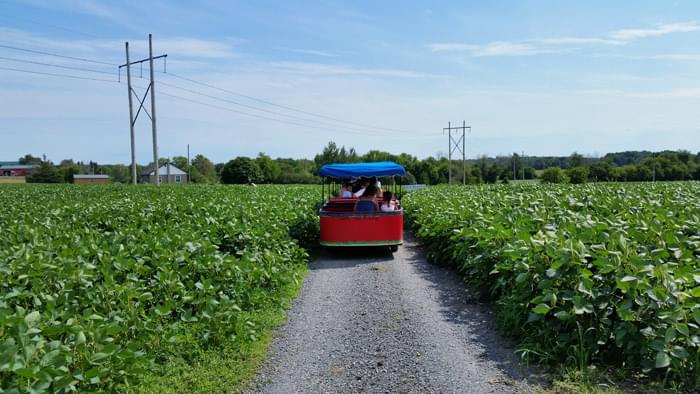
(375, 181)
(346, 190)
(367, 203)
(360, 186)
(388, 205)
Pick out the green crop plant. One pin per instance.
(101, 286)
(580, 274)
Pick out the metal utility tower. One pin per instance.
(454, 145)
(151, 115)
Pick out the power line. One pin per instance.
(15, 18)
(246, 113)
(55, 65)
(263, 109)
(82, 59)
(57, 75)
(284, 106)
(359, 126)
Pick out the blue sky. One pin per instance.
(539, 77)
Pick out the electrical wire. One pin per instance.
(55, 65)
(363, 129)
(14, 18)
(58, 75)
(246, 113)
(82, 59)
(298, 118)
(284, 106)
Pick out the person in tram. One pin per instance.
(367, 202)
(388, 204)
(346, 190)
(360, 187)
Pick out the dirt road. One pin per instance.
(367, 321)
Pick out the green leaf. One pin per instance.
(662, 360)
(32, 319)
(563, 315)
(52, 359)
(541, 309)
(679, 352)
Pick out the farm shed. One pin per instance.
(168, 173)
(90, 178)
(13, 168)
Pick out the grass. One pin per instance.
(222, 371)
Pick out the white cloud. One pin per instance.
(502, 48)
(312, 52)
(193, 47)
(578, 40)
(634, 34)
(175, 46)
(497, 48)
(561, 44)
(321, 69)
(451, 47)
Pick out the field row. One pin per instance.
(106, 288)
(579, 274)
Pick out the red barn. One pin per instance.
(13, 168)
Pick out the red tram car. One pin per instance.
(342, 226)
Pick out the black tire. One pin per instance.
(393, 248)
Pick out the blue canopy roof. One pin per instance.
(380, 168)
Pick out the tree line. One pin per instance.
(575, 168)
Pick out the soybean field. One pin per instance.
(603, 274)
(145, 289)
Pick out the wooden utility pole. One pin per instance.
(151, 115)
(131, 117)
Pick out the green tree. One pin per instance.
(67, 169)
(492, 173)
(576, 160)
(119, 173)
(332, 154)
(601, 171)
(552, 175)
(45, 173)
(530, 173)
(270, 170)
(179, 162)
(202, 170)
(29, 159)
(577, 175)
(376, 155)
(241, 170)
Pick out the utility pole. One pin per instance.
(153, 111)
(464, 150)
(449, 153)
(151, 115)
(131, 117)
(454, 145)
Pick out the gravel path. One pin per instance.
(367, 321)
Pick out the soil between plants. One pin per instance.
(370, 321)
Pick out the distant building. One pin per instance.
(13, 168)
(168, 173)
(90, 178)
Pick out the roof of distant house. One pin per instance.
(164, 171)
(13, 165)
(90, 176)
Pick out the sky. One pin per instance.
(286, 77)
